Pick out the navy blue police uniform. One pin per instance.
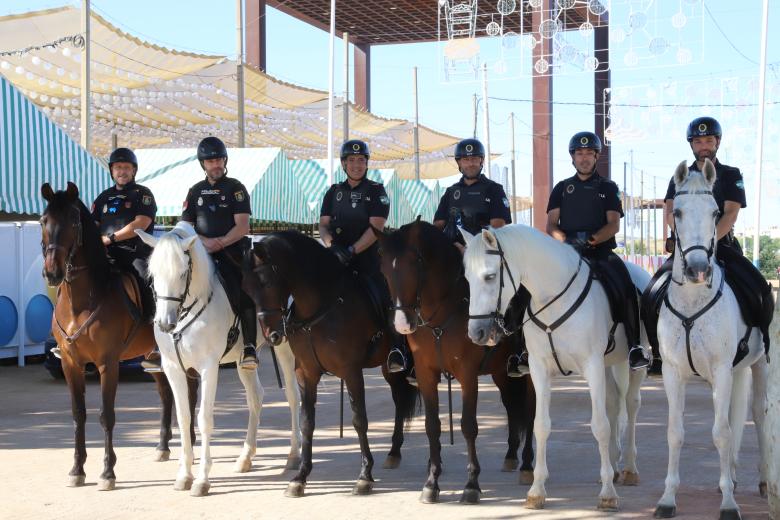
(583, 206)
(211, 209)
(472, 207)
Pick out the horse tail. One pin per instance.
(520, 396)
(740, 391)
(407, 398)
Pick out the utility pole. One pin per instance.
(512, 162)
(416, 127)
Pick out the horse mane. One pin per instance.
(315, 265)
(95, 252)
(432, 243)
(168, 259)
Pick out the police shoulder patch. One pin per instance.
(740, 184)
(239, 195)
(506, 202)
(146, 200)
(384, 200)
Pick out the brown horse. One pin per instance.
(92, 322)
(331, 328)
(425, 273)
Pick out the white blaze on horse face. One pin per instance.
(401, 324)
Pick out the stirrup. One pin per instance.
(393, 366)
(517, 365)
(153, 364)
(248, 358)
(638, 364)
(411, 377)
(56, 352)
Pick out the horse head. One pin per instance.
(61, 232)
(486, 271)
(263, 282)
(181, 272)
(695, 216)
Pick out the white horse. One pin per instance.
(575, 314)
(191, 327)
(715, 327)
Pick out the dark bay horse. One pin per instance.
(331, 328)
(430, 295)
(92, 322)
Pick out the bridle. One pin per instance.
(710, 251)
(70, 269)
(497, 316)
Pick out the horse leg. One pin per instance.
(599, 425)
(74, 375)
(737, 416)
(397, 384)
(192, 396)
(528, 410)
(109, 377)
(633, 399)
(470, 430)
(254, 402)
(293, 395)
(613, 403)
(508, 399)
(542, 425)
(209, 377)
(760, 375)
(427, 382)
(722, 383)
(357, 401)
(182, 394)
(674, 384)
(308, 384)
(163, 450)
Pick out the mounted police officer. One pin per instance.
(218, 207)
(349, 208)
(474, 203)
(751, 289)
(585, 211)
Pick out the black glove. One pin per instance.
(342, 253)
(669, 244)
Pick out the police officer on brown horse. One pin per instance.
(750, 288)
(585, 211)
(218, 207)
(474, 203)
(349, 209)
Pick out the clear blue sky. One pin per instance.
(298, 53)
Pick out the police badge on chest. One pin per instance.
(355, 197)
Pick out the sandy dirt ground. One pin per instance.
(36, 449)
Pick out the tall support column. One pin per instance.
(86, 101)
(602, 82)
(255, 34)
(240, 73)
(363, 75)
(542, 88)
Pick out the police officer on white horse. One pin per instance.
(474, 203)
(219, 210)
(349, 209)
(585, 211)
(751, 289)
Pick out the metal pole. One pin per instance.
(760, 133)
(625, 208)
(416, 127)
(512, 163)
(655, 219)
(630, 209)
(86, 116)
(474, 105)
(21, 329)
(642, 250)
(331, 51)
(486, 121)
(240, 72)
(114, 141)
(346, 87)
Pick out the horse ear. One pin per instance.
(72, 191)
(709, 172)
(188, 242)
(149, 240)
(466, 235)
(681, 173)
(489, 238)
(418, 218)
(46, 192)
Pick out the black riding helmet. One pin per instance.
(469, 148)
(704, 126)
(587, 140)
(122, 155)
(211, 148)
(354, 147)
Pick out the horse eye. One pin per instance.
(677, 213)
(715, 213)
(489, 277)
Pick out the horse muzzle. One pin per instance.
(699, 272)
(484, 332)
(402, 323)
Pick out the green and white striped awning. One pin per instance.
(274, 193)
(33, 150)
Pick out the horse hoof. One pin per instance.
(608, 504)
(106, 484)
(183, 484)
(243, 464)
(730, 514)
(429, 495)
(162, 455)
(526, 477)
(665, 512)
(629, 478)
(470, 496)
(200, 488)
(362, 487)
(509, 465)
(534, 502)
(294, 489)
(392, 462)
(293, 462)
(762, 490)
(76, 480)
